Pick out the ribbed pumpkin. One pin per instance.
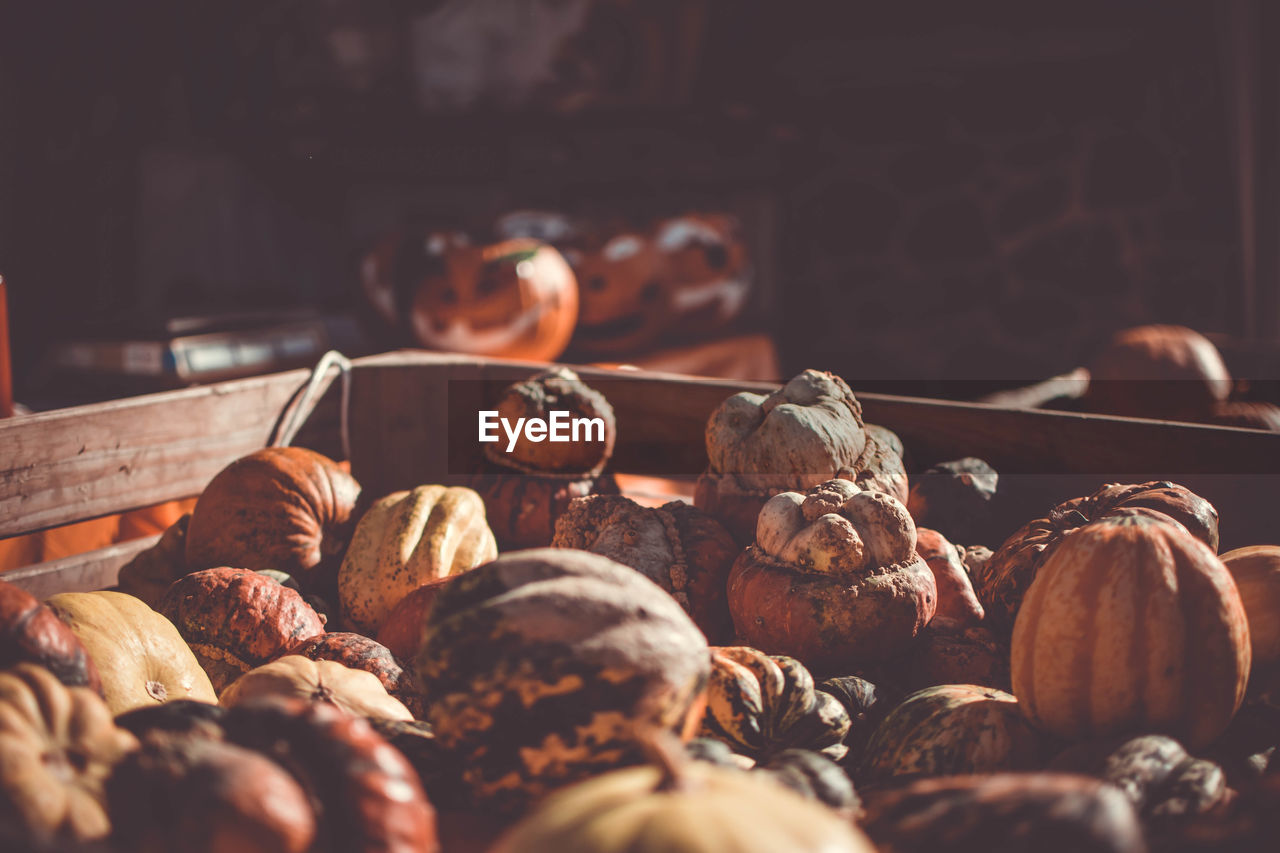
(763, 704)
(140, 655)
(355, 691)
(32, 633)
(698, 808)
(833, 580)
(949, 729)
(1002, 581)
(357, 651)
(57, 747)
(405, 540)
(541, 667)
(235, 619)
(285, 508)
(680, 548)
(1133, 625)
(1256, 571)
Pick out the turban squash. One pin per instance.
(807, 432)
(543, 666)
(833, 579)
(1164, 612)
(355, 691)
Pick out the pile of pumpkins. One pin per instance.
(530, 661)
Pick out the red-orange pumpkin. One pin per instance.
(32, 633)
(285, 508)
(1133, 625)
(1167, 372)
(513, 299)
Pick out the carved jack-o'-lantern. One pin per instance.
(516, 298)
(686, 274)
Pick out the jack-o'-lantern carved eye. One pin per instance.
(448, 296)
(596, 283)
(717, 256)
(650, 293)
(489, 283)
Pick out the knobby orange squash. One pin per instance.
(1133, 625)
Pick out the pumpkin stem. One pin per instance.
(666, 753)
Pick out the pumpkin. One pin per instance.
(1246, 414)
(525, 490)
(540, 668)
(401, 633)
(355, 691)
(200, 794)
(1153, 771)
(680, 548)
(285, 508)
(958, 605)
(1169, 372)
(1044, 812)
(404, 540)
(522, 508)
(58, 745)
(513, 299)
(832, 580)
(181, 716)
(366, 796)
(392, 270)
(955, 498)
(692, 808)
(705, 269)
(761, 704)
(624, 301)
(151, 572)
(973, 655)
(235, 619)
(1133, 625)
(140, 655)
(951, 729)
(1002, 581)
(866, 704)
(356, 651)
(1256, 572)
(813, 776)
(32, 633)
(809, 431)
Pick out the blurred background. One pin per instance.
(925, 197)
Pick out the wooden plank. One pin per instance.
(80, 572)
(74, 464)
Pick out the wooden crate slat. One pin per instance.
(80, 572)
(75, 464)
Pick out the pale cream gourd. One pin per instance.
(353, 690)
(405, 540)
(140, 655)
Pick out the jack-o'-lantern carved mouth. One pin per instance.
(618, 327)
(462, 335)
(729, 293)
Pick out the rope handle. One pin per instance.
(307, 397)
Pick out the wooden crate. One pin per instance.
(413, 421)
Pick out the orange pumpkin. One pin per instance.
(1167, 372)
(513, 299)
(1256, 571)
(706, 267)
(624, 304)
(1133, 625)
